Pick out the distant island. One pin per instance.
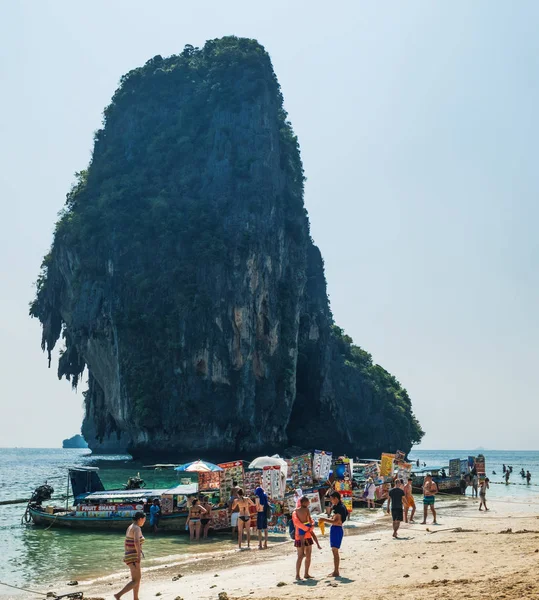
(77, 441)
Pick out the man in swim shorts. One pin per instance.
(336, 533)
(430, 489)
(408, 502)
(235, 512)
(396, 496)
(155, 515)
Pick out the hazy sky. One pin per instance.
(418, 128)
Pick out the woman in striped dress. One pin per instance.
(133, 554)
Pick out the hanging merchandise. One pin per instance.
(278, 525)
(463, 466)
(232, 471)
(321, 465)
(315, 506)
(167, 504)
(372, 470)
(342, 470)
(251, 480)
(220, 519)
(404, 472)
(399, 456)
(301, 471)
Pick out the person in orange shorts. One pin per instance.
(408, 502)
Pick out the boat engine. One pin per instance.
(41, 493)
(134, 483)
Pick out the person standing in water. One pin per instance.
(244, 517)
(430, 489)
(133, 554)
(206, 519)
(528, 477)
(155, 514)
(483, 493)
(507, 473)
(193, 520)
(475, 485)
(336, 533)
(370, 489)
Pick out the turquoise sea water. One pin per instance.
(35, 558)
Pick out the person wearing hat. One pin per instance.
(370, 490)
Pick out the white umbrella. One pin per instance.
(269, 461)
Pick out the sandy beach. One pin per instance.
(470, 554)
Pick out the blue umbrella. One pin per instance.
(198, 466)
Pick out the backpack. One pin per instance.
(291, 528)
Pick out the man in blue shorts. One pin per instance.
(155, 514)
(336, 533)
(430, 489)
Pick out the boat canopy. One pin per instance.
(183, 490)
(128, 495)
(84, 469)
(428, 470)
(85, 480)
(140, 494)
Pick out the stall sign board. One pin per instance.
(252, 480)
(321, 465)
(232, 471)
(454, 467)
(387, 465)
(209, 481)
(301, 470)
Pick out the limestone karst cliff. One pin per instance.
(182, 276)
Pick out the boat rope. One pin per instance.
(52, 522)
(23, 589)
(73, 595)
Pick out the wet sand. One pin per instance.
(470, 554)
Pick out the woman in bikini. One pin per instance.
(206, 519)
(244, 518)
(193, 520)
(133, 554)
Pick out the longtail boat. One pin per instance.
(95, 508)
